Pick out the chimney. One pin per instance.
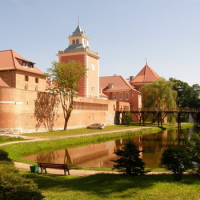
(131, 78)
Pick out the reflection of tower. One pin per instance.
(79, 50)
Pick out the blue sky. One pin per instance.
(124, 32)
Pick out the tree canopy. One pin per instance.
(159, 94)
(66, 79)
(187, 96)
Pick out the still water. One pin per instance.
(101, 155)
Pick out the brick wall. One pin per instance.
(16, 79)
(30, 111)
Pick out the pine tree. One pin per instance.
(129, 161)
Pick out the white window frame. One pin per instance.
(127, 95)
(120, 95)
(114, 96)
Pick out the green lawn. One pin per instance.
(81, 131)
(4, 139)
(115, 187)
(85, 131)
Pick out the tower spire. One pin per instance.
(146, 60)
(78, 20)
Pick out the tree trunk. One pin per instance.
(68, 114)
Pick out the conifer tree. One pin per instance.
(129, 161)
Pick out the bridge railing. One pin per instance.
(126, 109)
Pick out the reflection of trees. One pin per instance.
(67, 158)
(47, 157)
(46, 106)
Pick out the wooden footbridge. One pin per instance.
(160, 115)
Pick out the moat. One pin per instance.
(102, 154)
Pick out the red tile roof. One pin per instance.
(119, 83)
(2, 83)
(146, 75)
(9, 60)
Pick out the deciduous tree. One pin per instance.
(159, 94)
(66, 79)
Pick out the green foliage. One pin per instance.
(17, 187)
(159, 94)
(128, 118)
(66, 79)
(13, 185)
(187, 96)
(4, 156)
(177, 160)
(194, 149)
(129, 161)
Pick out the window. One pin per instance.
(120, 96)
(73, 41)
(126, 95)
(26, 86)
(36, 80)
(93, 89)
(110, 85)
(26, 78)
(114, 95)
(30, 65)
(77, 41)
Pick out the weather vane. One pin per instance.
(146, 60)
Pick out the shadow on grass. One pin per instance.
(105, 184)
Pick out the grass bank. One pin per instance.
(116, 187)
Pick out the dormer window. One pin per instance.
(30, 65)
(73, 41)
(77, 41)
(110, 85)
(27, 64)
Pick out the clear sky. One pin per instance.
(124, 32)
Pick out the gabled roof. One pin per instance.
(146, 75)
(2, 83)
(10, 60)
(119, 84)
(78, 31)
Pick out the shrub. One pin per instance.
(177, 160)
(128, 118)
(13, 185)
(194, 149)
(4, 156)
(129, 161)
(17, 187)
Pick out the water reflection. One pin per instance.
(100, 155)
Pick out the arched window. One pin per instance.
(77, 41)
(73, 41)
